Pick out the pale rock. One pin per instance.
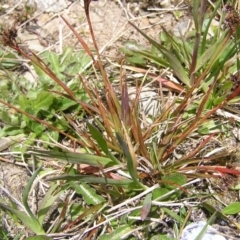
(154, 20)
(31, 40)
(214, 25)
(165, 4)
(143, 13)
(149, 101)
(49, 5)
(144, 22)
(192, 230)
(6, 142)
(181, 28)
(31, 77)
(5, 6)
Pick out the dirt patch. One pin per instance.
(46, 30)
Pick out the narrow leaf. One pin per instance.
(26, 193)
(125, 106)
(204, 229)
(88, 193)
(130, 164)
(177, 68)
(80, 39)
(66, 55)
(173, 215)
(146, 206)
(173, 61)
(92, 179)
(27, 221)
(54, 62)
(75, 158)
(47, 202)
(97, 135)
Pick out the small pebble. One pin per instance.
(192, 230)
(144, 22)
(143, 13)
(5, 6)
(181, 27)
(165, 4)
(154, 20)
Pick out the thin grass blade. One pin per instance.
(47, 201)
(26, 194)
(88, 193)
(34, 226)
(130, 164)
(76, 158)
(203, 231)
(92, 179)
(97, 135)
(173, 61)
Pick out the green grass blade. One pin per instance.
(54, 63)
(177, 68)
(204, 39)
(173, 215)
(27, 221)
(151, 57)
(203, 231)
(210, 53)
(75, 158)
(130, 164)
(92, 179)
(48, 201)
(88, 193)
(212, 209)
(237, 43)
(195, 12)
(26, 194)
(179, 47)
(173, 61)
(97, 135)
